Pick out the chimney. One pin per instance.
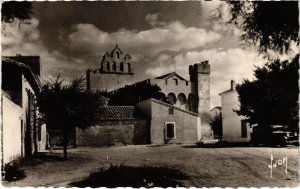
(232, 85)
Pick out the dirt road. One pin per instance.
(206, 167)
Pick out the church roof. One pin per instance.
(166, 76)
(119, 113)
(127, 55)
(116, 48)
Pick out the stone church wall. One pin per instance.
(107, 81)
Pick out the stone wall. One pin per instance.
(96, 80)
(111, 132)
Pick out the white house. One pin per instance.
(235, 127)
(21, 133)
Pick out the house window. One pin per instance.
(171, 111)
(244, 128)
(170, 130)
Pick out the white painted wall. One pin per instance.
(11, 133)
(231, 122)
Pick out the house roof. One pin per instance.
(119, 113)
(171, 106)
(227, 91)
(217, 107)
(34, 80)
(32, 61)
(166, 76)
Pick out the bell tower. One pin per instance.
(200, 78)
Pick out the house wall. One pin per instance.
(42, 138)
(187, 124)
(110, 132)
(11, 130)
(31, 124)
(232, 131)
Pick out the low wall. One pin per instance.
(110, 132)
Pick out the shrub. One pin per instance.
(13, 171)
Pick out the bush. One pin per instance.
(136, 177)
(13, 171)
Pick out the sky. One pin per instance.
(161, 37)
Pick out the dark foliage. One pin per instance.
(216, 126)
(127, 176)
(66, 107)
(272, 25)
(12, 10)
(272, 98)
(13, 171)
(131, 95)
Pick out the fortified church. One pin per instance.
(116, 71)
(180, 121)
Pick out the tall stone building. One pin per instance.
(194, 95)
(200, 78)
(115, 72)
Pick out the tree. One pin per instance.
(272, 98)
(216, 126)
(132, 94)
(272, 25)
(12, 10)
(66, 107)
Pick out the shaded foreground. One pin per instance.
(128, 176)
(204, 167)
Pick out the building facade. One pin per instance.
(170, 124)
(115, 72)
(21, 133)
(235, 127)
(116, 125)
(194, 95)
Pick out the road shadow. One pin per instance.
(136, 177)
(232, 145)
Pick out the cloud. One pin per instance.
(226, 65)
(25, 39)
(152, 19)
(174, 36)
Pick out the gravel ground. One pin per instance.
(206, 167)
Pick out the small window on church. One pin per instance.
(129, 67)
(176, 81)
(118, 54)
(170, 130)
(108, 66)
(187, 83)
(121, 67)
(114, 67)
(171, 111)
(166, 82)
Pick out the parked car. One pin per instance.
(270, 135)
